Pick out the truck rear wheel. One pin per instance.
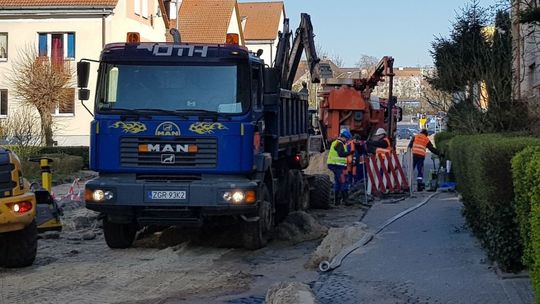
(119, 236)
(18, 248)
(321, 191)
(255, 235)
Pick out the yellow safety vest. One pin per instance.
(333, 156)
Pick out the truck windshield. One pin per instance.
(174, 88)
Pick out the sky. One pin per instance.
(403, 29)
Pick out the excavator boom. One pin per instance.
(288, 57)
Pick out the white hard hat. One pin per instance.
(380, 131)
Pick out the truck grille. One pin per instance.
(164, 153)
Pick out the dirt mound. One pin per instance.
(317, 165)
(299, 227)
(80, 219)
(293, 292)
(336, 240)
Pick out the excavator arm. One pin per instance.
(288, 57)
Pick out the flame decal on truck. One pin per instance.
(206, 127)
(133, 127)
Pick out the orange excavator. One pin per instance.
(348, 102)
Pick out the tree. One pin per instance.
(367, 64)
(337, 60)
(21, 129)
(474, 66)
(461, 59)
(42, 83)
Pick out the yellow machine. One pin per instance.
(21, 212)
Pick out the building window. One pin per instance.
(3, 103)
(57, 45)
(67, 107)
(3, 46)
(137, 7)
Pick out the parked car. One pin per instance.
(414, 131)
(403, 133)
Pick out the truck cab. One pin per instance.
(186, 133)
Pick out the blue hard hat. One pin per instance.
(345, 133)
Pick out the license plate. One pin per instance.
(167, 195)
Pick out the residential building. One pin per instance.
(526, 57)
(208, 21)
(262, 23)
(71, 30)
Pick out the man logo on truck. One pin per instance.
(168, 158)
(159, 148)
(168, 129)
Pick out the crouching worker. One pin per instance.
(419, 143)
(337, 163)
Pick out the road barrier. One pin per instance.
(71, 194)
(385, 174)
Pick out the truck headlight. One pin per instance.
(98, 195)
(238, 197)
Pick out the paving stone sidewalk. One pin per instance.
(429, 256)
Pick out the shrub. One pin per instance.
(524, 180)
(526, 166)
(81, 151)
(482, 166)
(442, 142)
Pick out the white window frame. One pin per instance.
(64, 40)
(7, 104)
(7, 45)
(57, 113)
(144, 10)
(137, 7)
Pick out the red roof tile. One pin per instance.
(57, 3)
(263, 19)
(205, 21)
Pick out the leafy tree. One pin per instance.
(474, 65)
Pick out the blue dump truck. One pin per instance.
(186, 134)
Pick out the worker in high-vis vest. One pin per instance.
(418, 145)
(337, 163)
(379, 144)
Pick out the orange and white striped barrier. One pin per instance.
(71, 195)
(385, 174)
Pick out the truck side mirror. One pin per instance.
(84, 94)
(83, 74)
(400, 113)
(271, 80)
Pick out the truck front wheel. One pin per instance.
(321, 189)
(255, 235)
(119, 236)
(18, 248)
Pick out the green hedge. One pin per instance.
(81, 151)
(442, 142)
(25, 153)
(483, 169)
(526, 171)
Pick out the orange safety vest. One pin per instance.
(350, 158)
(383, 151)
(420, 144)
